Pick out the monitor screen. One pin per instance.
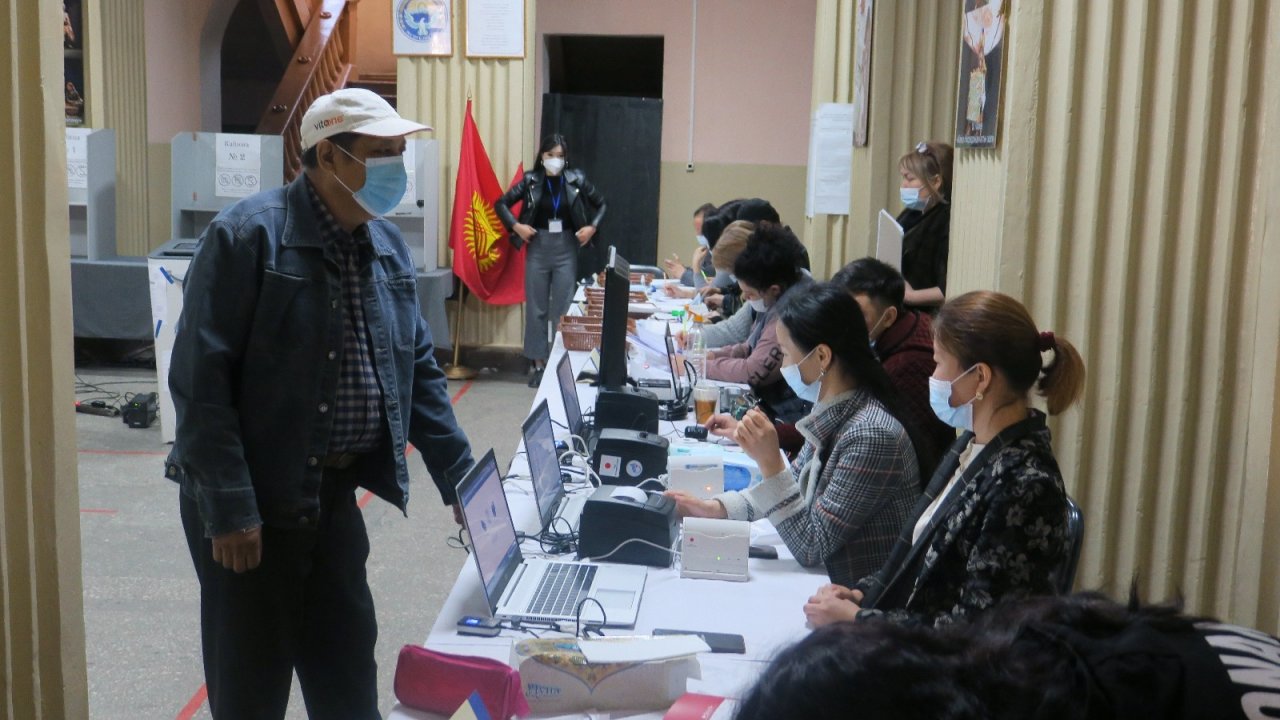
(488, 520)
(569, 394)
(613, 338)
(544, 467)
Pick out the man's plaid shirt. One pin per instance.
(357, 409)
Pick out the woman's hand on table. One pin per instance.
(673, 290)
(690, 506)
(721, 425)
(832, 603)
(759, 439)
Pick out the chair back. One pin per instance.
(1066, 574)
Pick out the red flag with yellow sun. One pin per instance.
(483, 257)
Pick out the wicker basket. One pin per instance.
(580, 337)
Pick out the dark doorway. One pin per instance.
(253, 61)
(606, 99)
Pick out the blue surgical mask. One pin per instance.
(911, 198)
(702, 240)
(940, 401)
(385, 181)
(803, 390)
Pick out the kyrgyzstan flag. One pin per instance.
(483, 257)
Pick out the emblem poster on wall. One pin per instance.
(982, 31)
(422, 27)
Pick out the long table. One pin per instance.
(766, 610)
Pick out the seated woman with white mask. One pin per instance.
(993, 522)
(845, 498)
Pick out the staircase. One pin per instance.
(321, 34)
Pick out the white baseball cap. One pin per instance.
(353, 110)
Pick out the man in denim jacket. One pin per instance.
(301, 370)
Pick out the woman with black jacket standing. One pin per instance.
(926, 223)
(559, 216)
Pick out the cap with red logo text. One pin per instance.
(353, 110)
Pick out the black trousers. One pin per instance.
(307, 607)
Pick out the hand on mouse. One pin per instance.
(690, 506)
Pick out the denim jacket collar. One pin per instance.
(302, 229)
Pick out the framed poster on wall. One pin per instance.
(73, 61)
(495, 28)
(422, 27)
(861, 70)
(982, 31)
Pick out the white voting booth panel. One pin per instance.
(91, 192)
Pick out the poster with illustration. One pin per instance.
(982, 32)
(73, 61)
(861, 70)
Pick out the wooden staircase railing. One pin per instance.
(320, 64)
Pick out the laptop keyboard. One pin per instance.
(562, 588)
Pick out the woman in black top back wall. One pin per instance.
(926, 221)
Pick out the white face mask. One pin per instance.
(702, 241)
(758, 305)
(803, 390)
(553, 165)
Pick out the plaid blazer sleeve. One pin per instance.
(866, 465)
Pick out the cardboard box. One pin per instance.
(557, 678)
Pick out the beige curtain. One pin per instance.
(42, 658)
(435, 91)
(1131, 204)
(914, 51)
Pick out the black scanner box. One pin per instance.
(613, 515)
(626, 408)
(629, 457)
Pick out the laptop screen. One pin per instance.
(671, 360)
(569, 394)
(544, 467)
(488, 519)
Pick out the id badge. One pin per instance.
(555, 226)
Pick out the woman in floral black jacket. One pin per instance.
(993, 522)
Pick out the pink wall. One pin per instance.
(754, 71)
(173, 66)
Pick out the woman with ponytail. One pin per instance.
(993, 521)
(843, 500)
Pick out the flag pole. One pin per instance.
(456, 371)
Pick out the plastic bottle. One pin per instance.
(695, 347)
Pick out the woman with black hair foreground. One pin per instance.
(993, 522)
(1080, 657)
(843, 500)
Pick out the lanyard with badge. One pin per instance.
(555, 225)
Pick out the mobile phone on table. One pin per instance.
(718, 642)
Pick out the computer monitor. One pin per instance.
(613, 336)
(544, 466)
(569, 395)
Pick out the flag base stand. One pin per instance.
(454, 371)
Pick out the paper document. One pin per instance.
(641, 649)
(830, 170)
(237, 165)
(889, 241)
